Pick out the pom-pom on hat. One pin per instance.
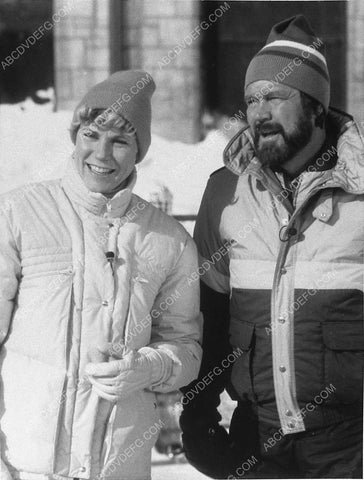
(127, 93)
(294, 56)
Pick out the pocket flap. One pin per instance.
(343, 335)
(241, 334)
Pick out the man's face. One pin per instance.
(104, 157)
(280, 126)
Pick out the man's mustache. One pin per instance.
(266, 128)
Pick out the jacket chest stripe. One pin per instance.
(252, 274)
(328, 275)
(309, 275)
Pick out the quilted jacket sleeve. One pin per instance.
(9, 271)
(9, 275)
(177, 323)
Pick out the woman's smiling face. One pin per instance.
(105, 155)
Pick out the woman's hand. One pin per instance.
(117, 379)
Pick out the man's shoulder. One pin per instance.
(222, 176)
(221, 184)
(218, 171)
(221, 172)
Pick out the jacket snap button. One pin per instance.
(282, 368)
(211, 431)
(283, 270)
(322, 214)
(83, 469)
(281, 320)
(288, 413)
(105, 303)
(291, 425)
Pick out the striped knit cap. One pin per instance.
(293, 56)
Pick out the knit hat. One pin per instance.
(293, 56)
(129, 94)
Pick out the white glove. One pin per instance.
(4, 472)
(117, 379)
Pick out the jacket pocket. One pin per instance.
(344, 360)
(241, 339)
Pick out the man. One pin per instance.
(280, 233)
(96, 314)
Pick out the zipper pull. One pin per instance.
(110, 257)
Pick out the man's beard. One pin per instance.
(273, 154)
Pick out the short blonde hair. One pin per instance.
(101, 118)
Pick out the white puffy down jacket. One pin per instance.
(59, 297)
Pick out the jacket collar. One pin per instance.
(96, 203)
(348, 173)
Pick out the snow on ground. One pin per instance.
(178, 469)
(183, 168)
(35, 145)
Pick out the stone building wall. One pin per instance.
(158, 39)
(82, 49)
(101, 36)
(355, 56)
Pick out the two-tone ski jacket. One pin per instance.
(292, 274)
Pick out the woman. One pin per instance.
(97, 308)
